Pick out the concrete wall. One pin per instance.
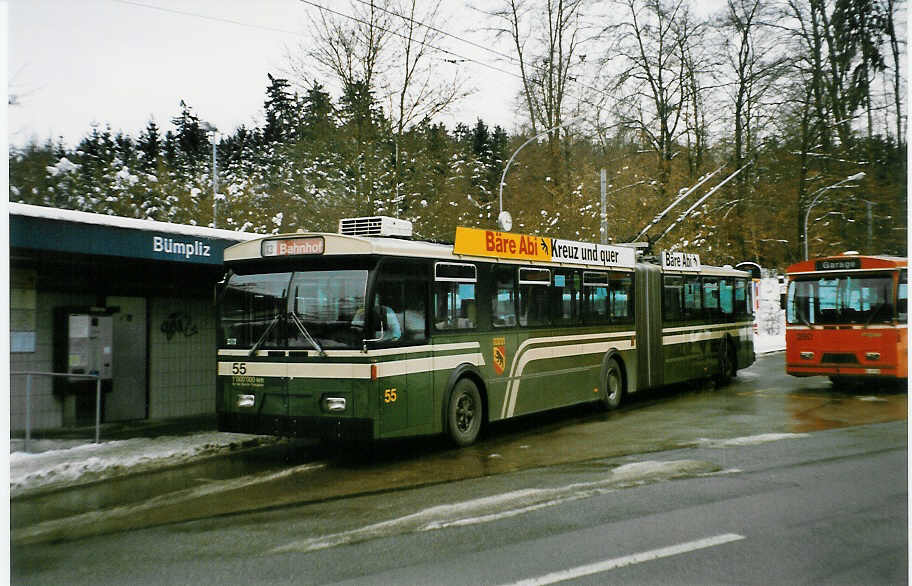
(181, 363)
(181, 357)
(46, 408)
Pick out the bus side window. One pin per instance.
(740, 299)
(454, 296)
(902, 297)
(402, 287)
(693, 294)
(503, 301)
(710, 297)
(565, 296)
(533, 296)
(726, 299)
(621, 297)
(595, 298)
(672, 297)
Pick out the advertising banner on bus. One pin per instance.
(680, 261)
(496, 244)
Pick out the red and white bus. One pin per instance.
(846, 318)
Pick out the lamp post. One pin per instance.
(212, 131)
(817, 197)
(504, 220)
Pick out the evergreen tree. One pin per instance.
(281, 111)
(190, 138)
(150, 146)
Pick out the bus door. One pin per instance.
(399, 313)
(648, 302)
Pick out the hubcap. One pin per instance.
(465, 412)
(614, 385)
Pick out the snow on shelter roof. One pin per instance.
(33, 211)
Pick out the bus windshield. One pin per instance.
(310, 309)
(841, 299)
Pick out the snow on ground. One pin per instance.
(53, 464)
(750, 440)
(765, 344)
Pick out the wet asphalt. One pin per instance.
(761, 400)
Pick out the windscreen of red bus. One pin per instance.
(841, 299)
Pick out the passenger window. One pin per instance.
(902, 297)
(711, 297)
(454, 296)
(595, 298)
(533, 296)
(740, 296)
(565, 297)
(400, 302)
(503, 303)
(672, 295)
(693, 294)
(621, 297)
(726, 298)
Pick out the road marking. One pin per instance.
(629, 560)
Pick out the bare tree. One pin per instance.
(754, 62)
(547, 39)
(890, 28)
(391, 47)
(653, 42)
(348, 49)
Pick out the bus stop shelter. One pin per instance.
(128, 300)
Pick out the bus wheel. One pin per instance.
(614, 386)
(464, 413)
(728, 364)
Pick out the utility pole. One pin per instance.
(603, 227)
(213, 133)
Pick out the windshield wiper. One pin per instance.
(803, 319)
(874, 313)
(259, 342)
(297, 321)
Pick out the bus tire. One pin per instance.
(614, 386)
(728, 363)
(464, 413)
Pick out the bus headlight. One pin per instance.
(872, 355)
(246, 400)
(807, 355)
(333, 404)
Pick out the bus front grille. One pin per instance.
(834, 358)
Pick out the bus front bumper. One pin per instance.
(325, 428)
(886, 371)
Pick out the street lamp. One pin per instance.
(817, 197)
(504, 220)
(212, 131)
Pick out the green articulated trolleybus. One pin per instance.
(368, 334)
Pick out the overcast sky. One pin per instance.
(74, 63)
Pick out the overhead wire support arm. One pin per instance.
(680, 198)
(701, 200)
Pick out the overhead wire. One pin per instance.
(457, 58)
(501, 54)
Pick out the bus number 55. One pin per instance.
(238, 368)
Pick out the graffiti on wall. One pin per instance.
(179, 322)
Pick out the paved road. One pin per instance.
(762, 400)
(773, 480)
(824, 507)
